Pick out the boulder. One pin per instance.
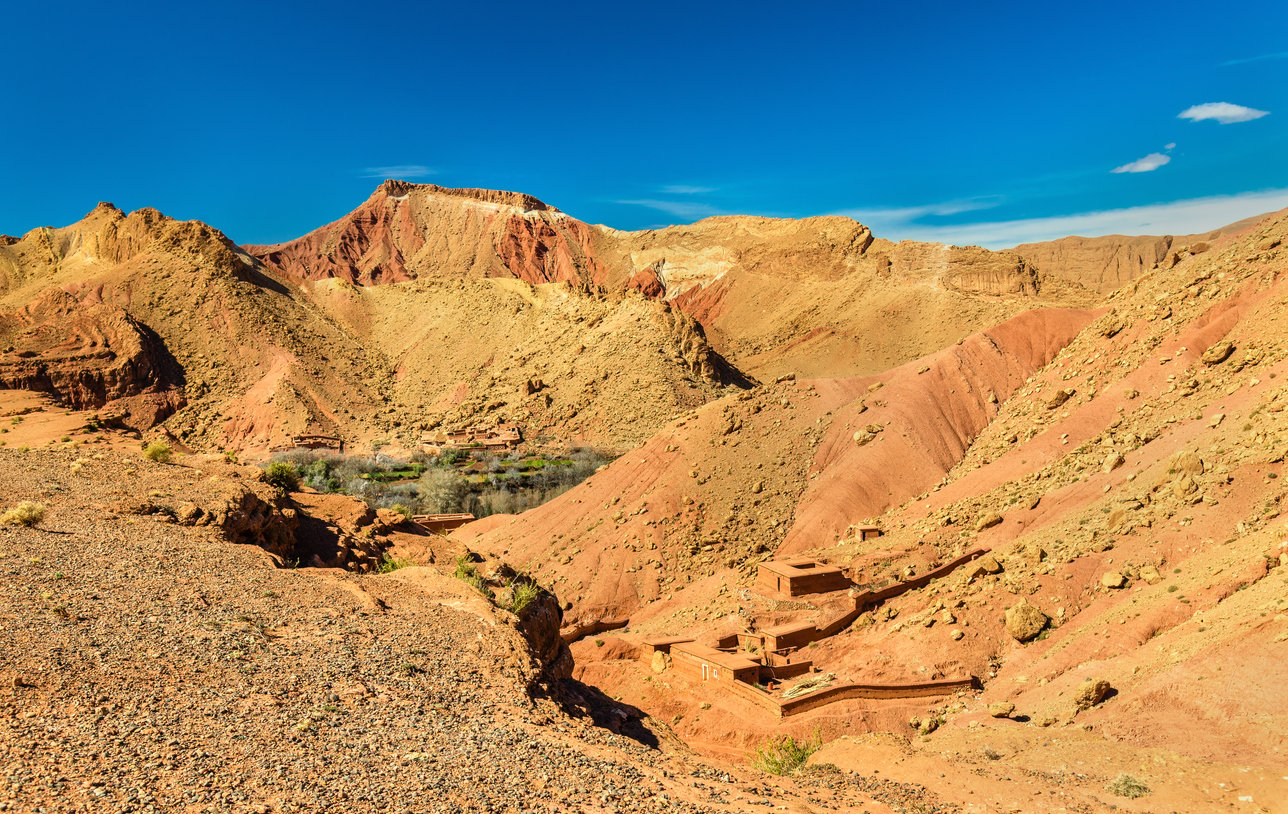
(1218, 353)
(1024, 621)
(1059, 398)
(1092, 692)
(988, 521)
(1001, 709)
(1113, 579)
(659, 662)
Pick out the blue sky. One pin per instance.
(980, 122)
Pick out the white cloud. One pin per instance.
(685, 210)
(1221, 112)
(1171, 145)
(909, 214)
(685, 189)
(399, 171)
(1276, 55)
(1149, 163)
(1190, 216)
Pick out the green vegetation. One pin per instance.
(523, 592)
(389, 563)
(158, 451)
(26, 513)
(454, 481)
(783, 754)
(466, 570)
(283, 475)
(1127, 786)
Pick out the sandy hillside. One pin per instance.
(1128, 485)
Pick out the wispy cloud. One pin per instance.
(1259, 58)
(1222, 113)
(911, 214)
(1149, 163)
(686, 210)
(399, 171)
(1194, 215)
(685, 189)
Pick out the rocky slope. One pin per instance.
(156, 665)
(142, 315)
(1107, 263)
(819, 296)
(1128, 485)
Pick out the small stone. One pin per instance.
(1001, 709)
(1113, 579)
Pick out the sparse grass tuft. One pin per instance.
(27, 513)
(784, 754)
(389, 563)
(466, 570)
(1127, 786)
(283, 475)
(159, 452)
(523, 593)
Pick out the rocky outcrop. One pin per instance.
(1107, 263)
(540, 623)
(690, 340)
(409, 231)
(84, 354)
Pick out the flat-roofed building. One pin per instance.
(798, 577)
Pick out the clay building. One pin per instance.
(502, 437)
(703, 663)
(798, 577)
(865, 531)
(443, 523)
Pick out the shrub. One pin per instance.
(26, 513)
(282, 475)
(522, 594)
(389, 563)
(158, 451)
(401, 508)
(784, 754)
(1127, 786)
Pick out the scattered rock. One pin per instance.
(1001, 709)
(1113, 579)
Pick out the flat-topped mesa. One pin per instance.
(408, 231)
(528, 203)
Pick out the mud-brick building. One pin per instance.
(703, 663)
(798, 577)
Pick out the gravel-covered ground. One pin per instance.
(151, 666)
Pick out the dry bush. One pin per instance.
(27, 513)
